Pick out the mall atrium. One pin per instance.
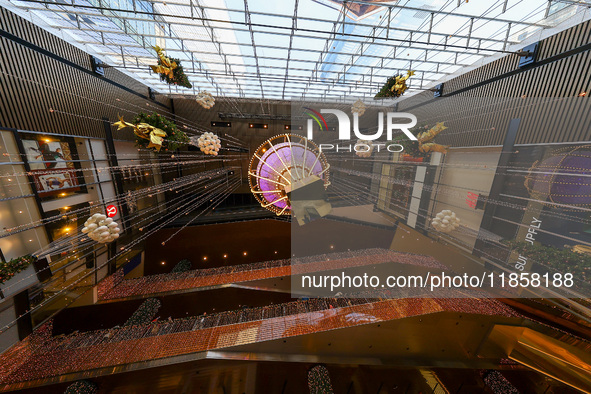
(295, 196)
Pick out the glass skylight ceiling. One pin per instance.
(296, 49)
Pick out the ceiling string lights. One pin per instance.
(155, 220)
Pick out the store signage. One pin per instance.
(111, 210)
(472, 200)
(531, 231)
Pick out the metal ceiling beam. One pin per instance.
(216, 44)
(251, 25)
(339, 83)
(254, 47)
(390, 6)
(294, 79)
(451, 13)
(385, 75)
(360, 24)
(436, 51)
(322, 59)
(147, 60)
(294, 25)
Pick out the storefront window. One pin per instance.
(54, 167)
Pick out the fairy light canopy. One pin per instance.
(279, 165)
(295, 49)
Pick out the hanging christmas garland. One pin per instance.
(175, 138)
(395, 86)
(10, 268)
(182, 266)
(145, 313)
(497, 383)
(170, 70)
(82, 387)
(319, 380)
(154, 131)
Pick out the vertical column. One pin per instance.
(498, 182)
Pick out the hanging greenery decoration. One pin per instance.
(170, 70)
(154, 131)
(395, 86)
(175, 138)
(182, 266)
(10, 268)
(562, 260)
(319, 380)
(145, 313)
(82, 387)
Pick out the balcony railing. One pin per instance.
(116, 287)
(42, 358)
